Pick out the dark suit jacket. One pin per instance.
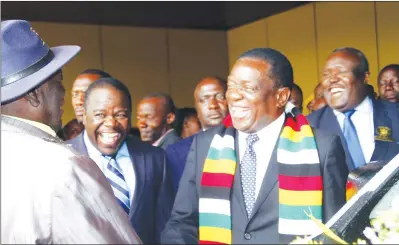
(153, 196)
(177, 154)
(385, 114)
(262, 227)
(169, 139)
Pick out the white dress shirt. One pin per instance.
(363, 120)
(123, 160)
(263, 148)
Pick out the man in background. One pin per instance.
(136, 171)
(210, 101)
(369, 128)
(49, 193)
(318, 99)
(72, 129)
(155, 117)
(189, 121)
(80, 85)
(388, 83)
(211, 105)
(297, 97)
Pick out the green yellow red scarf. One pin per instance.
(300, 183)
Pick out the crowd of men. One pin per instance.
(243, 166)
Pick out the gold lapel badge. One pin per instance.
(384, 134)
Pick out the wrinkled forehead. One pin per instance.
(342, 59)
(246, 70)
(107, 94)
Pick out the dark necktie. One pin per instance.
(352, 141)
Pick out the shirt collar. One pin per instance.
(156, 143)
(366, 106)
(274, 127)
(93, 151)
(38, 125)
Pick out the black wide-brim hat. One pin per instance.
(27, 61)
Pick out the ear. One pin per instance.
(33, 98)
(170, 118)
(283, 96)
(366, 77)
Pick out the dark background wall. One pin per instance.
(190, 15)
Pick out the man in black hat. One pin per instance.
(49, 193)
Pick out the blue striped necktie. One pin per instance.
(352, 141)
(117, 181)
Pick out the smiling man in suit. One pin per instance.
(369, 128)
(136, 171)
(253, 182)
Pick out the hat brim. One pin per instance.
(62, 55)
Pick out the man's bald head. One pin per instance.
(210, 101)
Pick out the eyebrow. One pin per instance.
(123, 110)
(98, 110)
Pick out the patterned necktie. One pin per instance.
(248, 173)
(118, 184)
(352, 140)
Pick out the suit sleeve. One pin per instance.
(165, 198)
(335, 175)
(173, 156)
(182, 227)
(84, 209)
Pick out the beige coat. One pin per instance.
(51, 195)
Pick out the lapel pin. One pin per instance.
(384, 134)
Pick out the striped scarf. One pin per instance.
(300, 183)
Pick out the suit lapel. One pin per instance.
(269, 181)
(139, 164)
(80, 145)
(237, 179)
(329, 121)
